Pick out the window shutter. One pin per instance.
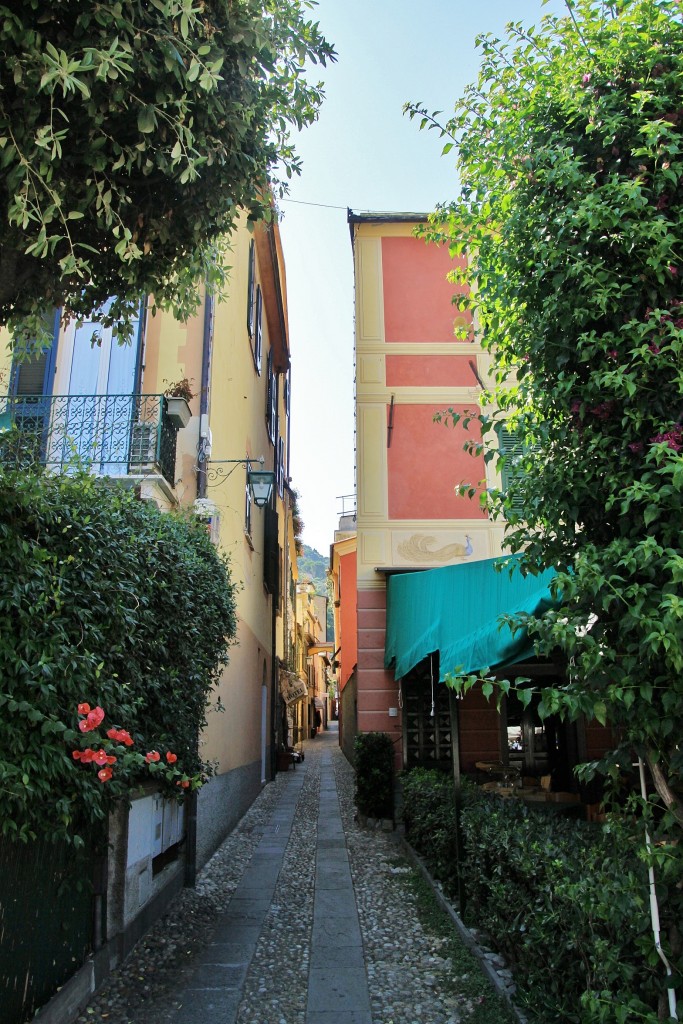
(258, 329)
(270, 551)
(251, 288)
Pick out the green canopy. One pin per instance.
(455, 610)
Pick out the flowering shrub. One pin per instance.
(98, 610)
(115, 750)
(571, 213)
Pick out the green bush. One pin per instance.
(430, 821)
(566, 902)
(374, 764)
(105, 601)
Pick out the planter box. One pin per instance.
(178, 411)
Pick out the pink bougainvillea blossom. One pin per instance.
(83, 709)
(152, 755)
(673, 438)
(93, 718)
(104, 774)
(120, 736)
(171, 758)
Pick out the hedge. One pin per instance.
(374, 764)
(566, 902)
(107, 602)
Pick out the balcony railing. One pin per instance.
(115, 435)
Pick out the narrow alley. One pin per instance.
(301, 917)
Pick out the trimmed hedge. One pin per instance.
(566, 902)
(374, 764)
(105, 601)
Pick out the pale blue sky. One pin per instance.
(363, 153)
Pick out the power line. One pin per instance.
(302, 202)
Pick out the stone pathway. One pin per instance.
(301, 917)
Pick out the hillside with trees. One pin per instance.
(313, 567)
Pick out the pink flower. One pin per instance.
(673, 270)
(153, 755)
(87, 755)
(636, 446)
(83, 709)
(104, 774)
(586, 79)
(654, 348)
(92, 720)
(120, 736)
(183, 783)
(171, 758)
(100, 756)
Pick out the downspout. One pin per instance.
(191, 798)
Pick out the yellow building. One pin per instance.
(105, 405)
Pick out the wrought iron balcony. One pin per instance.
(115, 435)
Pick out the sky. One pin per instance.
(363, 153)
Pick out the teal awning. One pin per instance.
(455, 610)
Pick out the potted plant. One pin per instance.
(178, 396)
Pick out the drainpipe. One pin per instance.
(191, 798)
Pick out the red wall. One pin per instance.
(417, 296)
(425, 462)
(348, 656)
(377, 688)
(430, 372)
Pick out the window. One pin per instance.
(271, 399)
(254, 309)
(258, 330)
(247, 504)
(511, 447)
(280, 467)
(251, 289)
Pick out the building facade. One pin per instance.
(418, 353)
(112, 408)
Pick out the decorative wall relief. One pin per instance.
(419, 549)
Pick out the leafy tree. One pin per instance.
(131, 135)
(570, 152)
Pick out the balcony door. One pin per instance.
(100, 405)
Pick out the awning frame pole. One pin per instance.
(654, 905)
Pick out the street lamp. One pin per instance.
(261, 482)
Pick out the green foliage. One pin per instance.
(144, 128)
(565, 902)
(105, 601)
(374, 764)
(571, 161)
(313, 567)
(465, 976)
(430, 820)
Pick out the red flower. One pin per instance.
(76, 754)
(100, 756)
(171, 758)
(104, 774)
(183, 783)
(92, 720)
(654, 348)
(87, 755)
(120, 736)
(83, 709)
(153, 755)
